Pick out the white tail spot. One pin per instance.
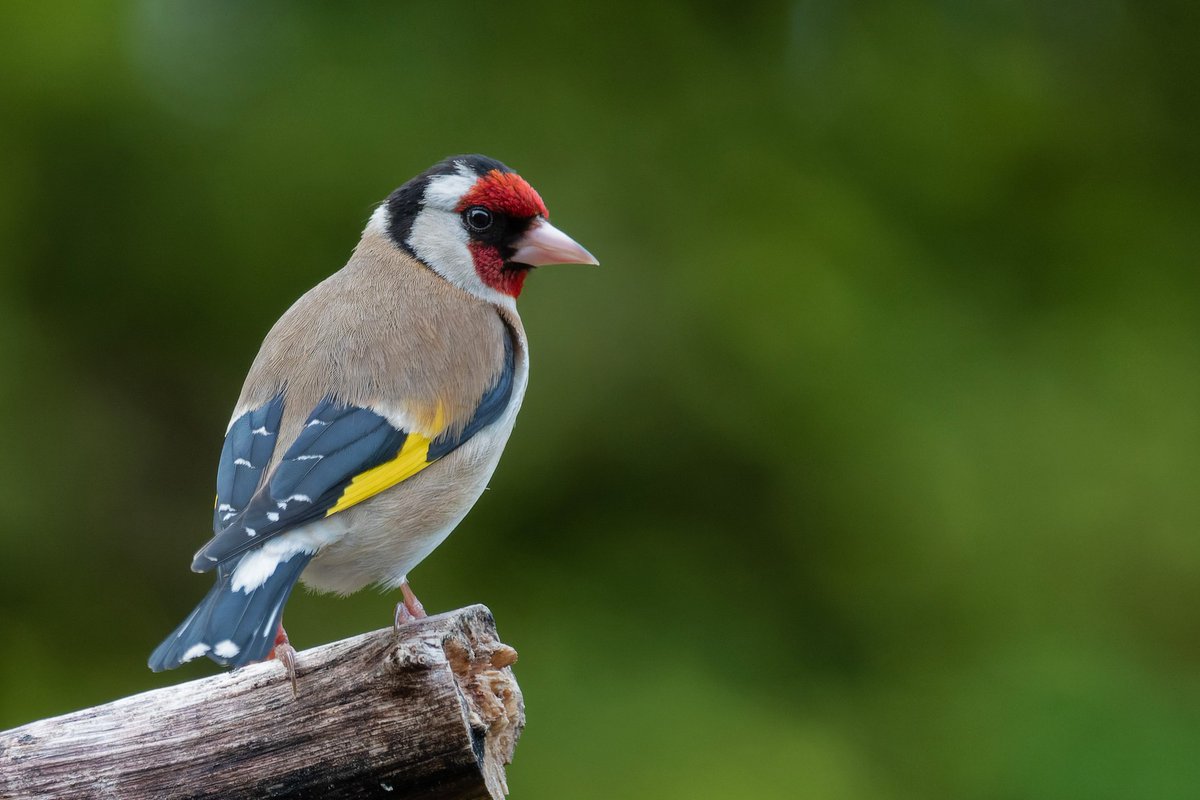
(195, 651)
(226, 649)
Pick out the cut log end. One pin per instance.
(481, 664)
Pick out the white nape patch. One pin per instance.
(273, 516)
(445, 191)
(308, 458)
(241, 462)
(251, 532)
(261, 431)
(259, 564)
(226, 649)
(193, 652)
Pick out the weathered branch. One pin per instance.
(434, 714)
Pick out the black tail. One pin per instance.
(232, 627)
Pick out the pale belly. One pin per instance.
(381, 539)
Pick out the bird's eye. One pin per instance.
(478, 218)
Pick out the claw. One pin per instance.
(285, 654)
(402, 618)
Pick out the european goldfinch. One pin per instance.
(376, 410)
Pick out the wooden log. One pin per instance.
(432, 714)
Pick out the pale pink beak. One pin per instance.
(545, 244)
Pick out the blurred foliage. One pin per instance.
(865, 467)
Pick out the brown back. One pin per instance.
(384, 332)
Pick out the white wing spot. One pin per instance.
(251, 532)
(226, 649)
(261, 431)
(241, 462)
(316, 422)
(273, 516)
(299, 498)
(195, 651)
(230, 515)
(308, 458)
(224, 507)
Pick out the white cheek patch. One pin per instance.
(439, 239)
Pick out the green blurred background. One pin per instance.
(865, 467)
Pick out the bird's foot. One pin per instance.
(283, 652)
(410, 610)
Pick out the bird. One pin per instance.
(376, 410)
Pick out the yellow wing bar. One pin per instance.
(412, 458)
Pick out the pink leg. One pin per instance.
(286, 654)
(411, 602)
(410, 610)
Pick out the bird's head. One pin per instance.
(479, 225)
